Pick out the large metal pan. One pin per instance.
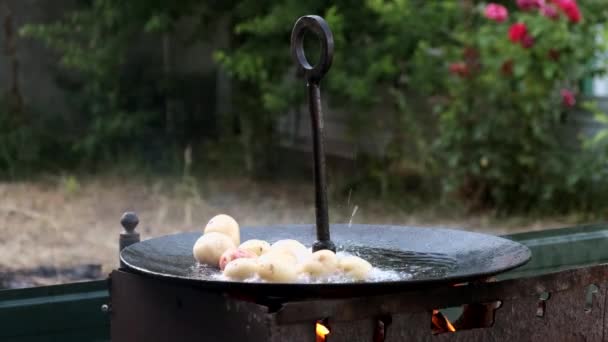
(434, 256)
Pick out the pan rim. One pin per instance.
(523, 257)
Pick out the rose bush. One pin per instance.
(502, 127)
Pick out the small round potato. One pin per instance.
(292, 246)
(320, 264)
(209, 248)
(312, 269)
(226, 225)
(355, 267)
(276, 271)
(241, 269)
(258, 247)
(326, 257)
(279, 255)
(235, 253)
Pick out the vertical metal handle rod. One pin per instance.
(321, 206)
(313, 75)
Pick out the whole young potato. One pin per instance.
(355, 267)
(326, 257)
(226, 225)
(292, 246)
(258, 247)
(209, 248)
(320, 264)
(241, 269)
(279, 255)
(235, 253)
(276, 271)
(312, 269)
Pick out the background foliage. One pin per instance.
(504, 131)
(467, 111)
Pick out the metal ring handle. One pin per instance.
(320, 27)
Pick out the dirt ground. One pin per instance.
(67, 222)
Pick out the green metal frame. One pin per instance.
(563, 248)
(72, 312)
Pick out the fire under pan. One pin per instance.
(563, 306)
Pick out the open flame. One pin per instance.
(441, 324)
(322, 331)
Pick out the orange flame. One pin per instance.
(322, 331)
(450, 326)
(441, 323)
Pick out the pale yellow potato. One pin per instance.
(276, 271)
(241, 269)
(258, 247)
(292, 246)
(320, 264)
(326, 257)
(355, 267)
(226, 225)
(312, 268)
(279, 255)
(209, 248)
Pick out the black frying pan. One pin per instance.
(435, 257)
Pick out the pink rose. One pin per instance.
(496, 12)
(460, 69)
(549, 11)
(528, 5)
(517, 31)
(570, 9)
(568, 98)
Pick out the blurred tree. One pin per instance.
(15, 152)
(123, 107)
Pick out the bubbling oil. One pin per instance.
(388, 266)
